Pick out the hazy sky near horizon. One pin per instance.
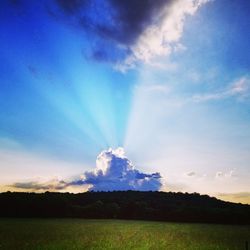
(166, 80)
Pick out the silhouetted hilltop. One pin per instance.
(162, 206)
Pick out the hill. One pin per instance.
(162, 206)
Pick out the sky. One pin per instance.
(116, 95)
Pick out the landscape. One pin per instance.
(125, 124)
(122, 220)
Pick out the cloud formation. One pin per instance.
(240, 88)
(113, 172)
(53, 184)
(137, 31)
(161, 37)
(229, 174)
(190, 174)
(119, 21)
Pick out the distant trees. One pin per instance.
(180, 207)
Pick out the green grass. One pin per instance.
(73, 234)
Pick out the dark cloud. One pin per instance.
(113, 172)
(118, 23)
(33, 185)
(191, 174)
(125, 19)
(133, 16)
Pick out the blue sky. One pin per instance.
(168, 81)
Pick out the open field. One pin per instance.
(117, 234)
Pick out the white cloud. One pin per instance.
(219, 174)
(239, 88)
(162, 37)
(113, 172)
(228, 175)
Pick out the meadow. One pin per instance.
(73, 234)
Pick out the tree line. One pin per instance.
(161, 206)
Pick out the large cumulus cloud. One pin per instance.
(113, 171)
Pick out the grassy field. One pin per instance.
(114, 234)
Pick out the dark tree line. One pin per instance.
(162, 206)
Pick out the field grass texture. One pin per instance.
(53, 234)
